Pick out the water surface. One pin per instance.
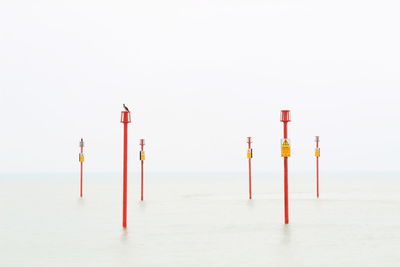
(200, 220)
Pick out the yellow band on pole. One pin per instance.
(81, 157)
(250, 153)
(285, 147)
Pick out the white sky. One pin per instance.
(200, 76)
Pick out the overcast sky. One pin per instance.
(199, 76)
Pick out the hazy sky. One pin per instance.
(200, 76)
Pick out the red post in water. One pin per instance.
(142, 158)
(285, 151)
(125, 119)
(249, 156)
(317, 154)
(81, 160)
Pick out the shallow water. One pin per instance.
(200, 220)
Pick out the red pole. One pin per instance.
(81, 191)
(125, 119)
(285, 152)
(249, 156)
(317, 179)
(125, 173)
(142, 158)
(286, 178)
(317, 154)
(81, 160)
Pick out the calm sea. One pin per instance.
(200, 219)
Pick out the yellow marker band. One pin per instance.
(285, 147)
(250, 153)
(317, 152)
(81, 157)
(142, 155)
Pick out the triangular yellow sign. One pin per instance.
(285, 143)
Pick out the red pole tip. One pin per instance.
(249, 139)
(285, 115)
(125, 117)
(142, 142)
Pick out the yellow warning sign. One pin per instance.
(81, 157)
(285, 147)
(142, 156)
(317, 152)
(250, 153)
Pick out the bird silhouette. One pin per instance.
(126, 108)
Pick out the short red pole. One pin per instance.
(285, 152)
(249, 156)
(81, 160)
(125, 119)
(142, 158)
(317, 155)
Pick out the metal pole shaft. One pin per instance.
(286, 178)
(317, 177)
(317, 174)
(81, 180)
(286, 185)
(141, 191)
(285, 130)
(142, 176)
(250, 191)
(125, 173)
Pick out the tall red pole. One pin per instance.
(285, 152)
(317, 154)
(125, 119)
(142, 158)
(249, 156)
(81, 160)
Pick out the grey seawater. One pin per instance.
(200, 220)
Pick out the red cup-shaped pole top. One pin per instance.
(285, 115)
(317, 139)
(249, 139)
(125, 117)
(142, 142)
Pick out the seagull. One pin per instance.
(126, 108)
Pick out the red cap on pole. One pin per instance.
(285, 115)
(125, 117)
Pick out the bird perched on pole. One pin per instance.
(126, 108)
